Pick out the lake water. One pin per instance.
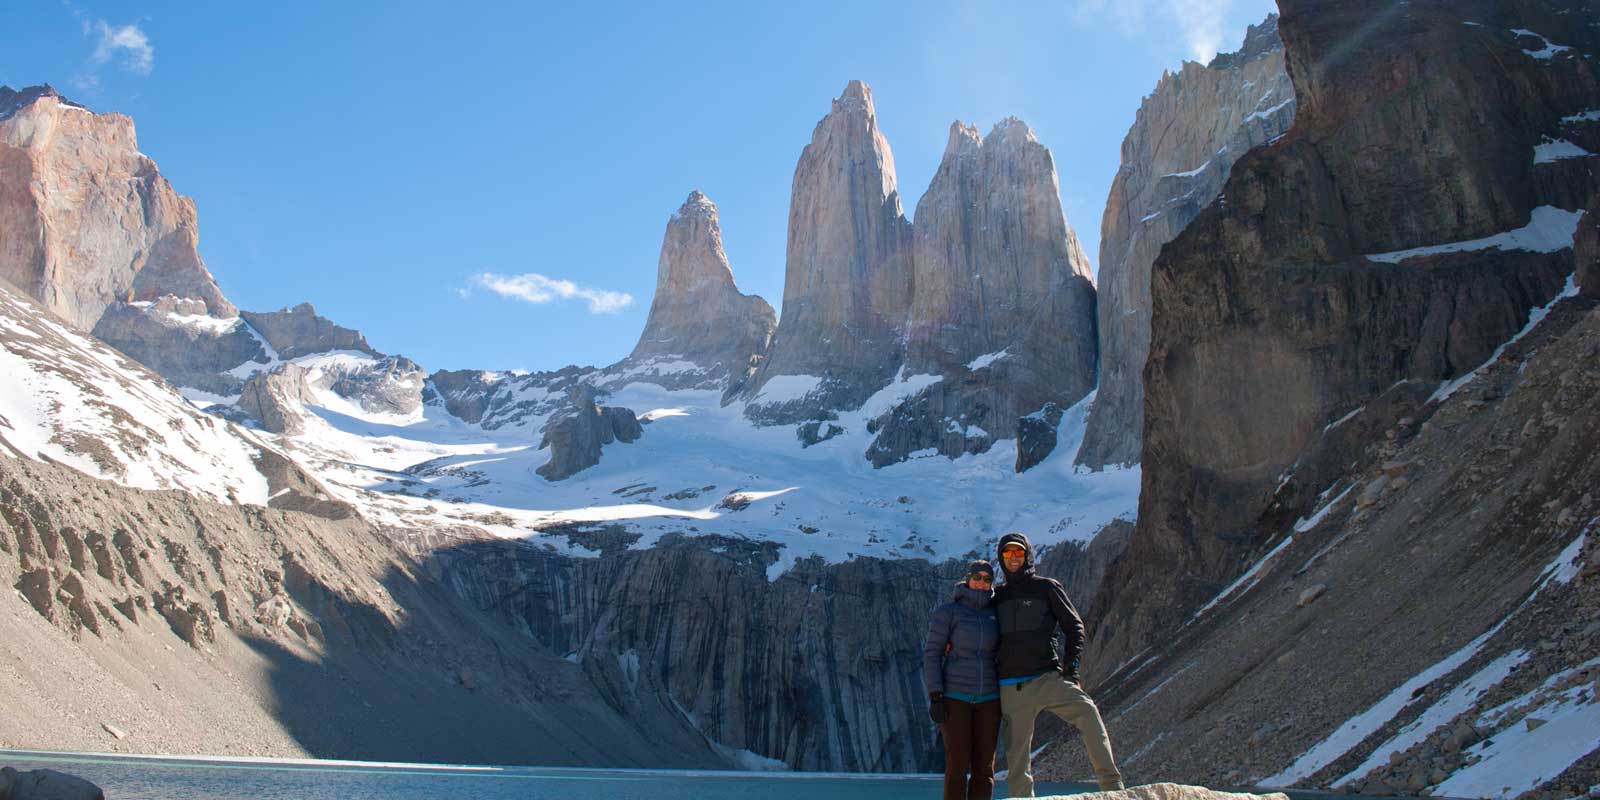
(177, 778)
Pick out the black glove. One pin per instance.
(938, 711)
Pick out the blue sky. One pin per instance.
(374, 158)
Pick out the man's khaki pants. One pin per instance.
(1020, 705)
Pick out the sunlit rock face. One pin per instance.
(847, 278)
(1185, 139)
(86, 220)
(1003, 308)
(702, 331)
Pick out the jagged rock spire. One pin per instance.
(847, 280)
(698, 313)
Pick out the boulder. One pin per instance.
(276, 398)
(45, 784)
(1170, 791)
(576, 434)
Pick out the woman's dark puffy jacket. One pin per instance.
(968, 625)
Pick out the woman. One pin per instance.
(963, 697)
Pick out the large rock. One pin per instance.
(45, 784)
(1003, 306)
(182, 342)
(277, 398)
(576, 434)
(847, 270)
(701, 330)
(299, 331)
(1170, 791)
(1271, 322)
(86, 220)
(1185, 139)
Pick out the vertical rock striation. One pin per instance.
(1002, 308)
(1298, 307)
(698, 315)
(1184, 141)
(847, 279)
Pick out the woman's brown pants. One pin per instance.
(970, 734)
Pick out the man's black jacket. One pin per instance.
(1029, 608)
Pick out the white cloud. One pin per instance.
(1200, 23)
(127, 41)
(535, 288)
(1202, 26)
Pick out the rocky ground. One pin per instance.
(1446, 526)
(155, 622)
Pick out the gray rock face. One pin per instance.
(276, 398)
(86, 220)
(298, 331)
(45, 784)
(698, 315)
(576, 434)
(1003, 308)
(847, 269)
(1277, 312)
(178, 339)
(1185, 139)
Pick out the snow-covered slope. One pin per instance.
(71, 399)
(700, 468)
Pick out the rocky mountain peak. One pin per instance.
(298, 331)
(1259, 41)
(698, 314)
(964, 140)
(847, 279)
(12, 100)
(1002, 306)
(1184, 140)
(90, 221)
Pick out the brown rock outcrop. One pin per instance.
(298, 331)
(1184, 141)
(698, 314)
(183, 343)
(1002, 309)
(276, 398)
(576, 434)
(1270, 323)
(847, 270)
(86, 220)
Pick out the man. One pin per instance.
(1033, 677)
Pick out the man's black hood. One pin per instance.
(1027, 556)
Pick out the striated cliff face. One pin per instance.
(1002, 303)
(701, 330)
(86, 220)
(1184, 141)
(1348, 270)
(847, 272)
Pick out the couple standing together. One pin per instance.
(991, 656)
